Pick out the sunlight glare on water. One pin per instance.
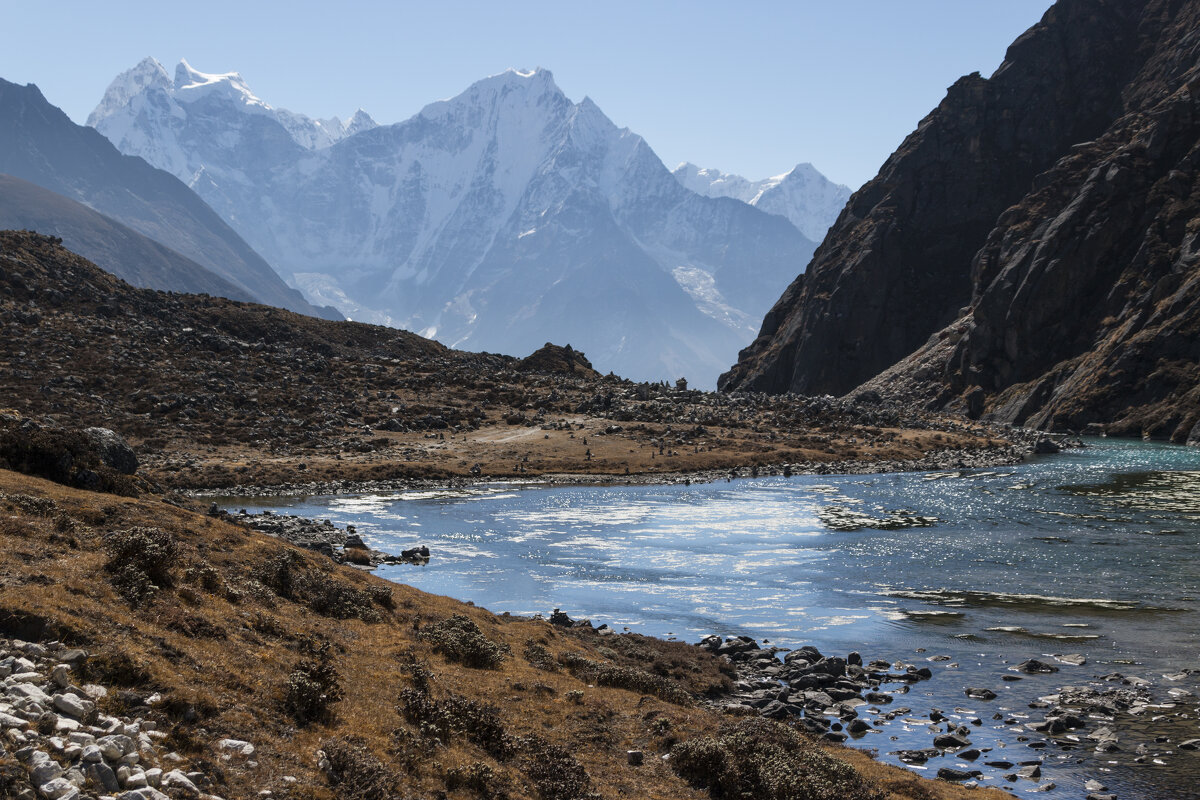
(1095, 551)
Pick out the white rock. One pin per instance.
(34, 649)
(42, 768)
(115, 747)
(28, 691)
(58, 789)
(81, 738)
(146, 793)
(91, 754)
(61, 675)
(9, 721)
(154, 776)
(236, 747)
(67, 725)
(176, 779)
(94, 691)
(72, 705)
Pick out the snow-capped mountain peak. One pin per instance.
(498, 219)
(144, 104)
(503, 90)
(361, 121)
(148, 75)
(808, 199)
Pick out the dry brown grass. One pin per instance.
(219, 646)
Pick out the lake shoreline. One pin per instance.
(948, 459)
(1134, 704)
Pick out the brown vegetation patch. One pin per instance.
(394, 716)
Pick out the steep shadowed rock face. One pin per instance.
(895, 267)
(107, 243)
(1030, 253)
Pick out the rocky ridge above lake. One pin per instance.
(216, 393)
(1028, 253)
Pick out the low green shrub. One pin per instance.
(539, 657)
(354, 773)
(313, 687)
(288, 575)
(553, 771)
(139, 562)
(477, 777)
(460, 640)
(452, 716)
(621, 677)
(758, 759)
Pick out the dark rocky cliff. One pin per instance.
(1030, 251)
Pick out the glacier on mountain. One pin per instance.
(496, 220)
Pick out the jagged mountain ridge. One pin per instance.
(118, 249)
(497, 219)
(40, 144)
(808, 199)
(1029, 253)
(147, 93)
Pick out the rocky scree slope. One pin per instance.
(40, 144)
(1029, 252)
(495, 220)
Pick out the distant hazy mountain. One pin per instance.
(497, 220)
(807, 198)
(105, 242)
(40, 144)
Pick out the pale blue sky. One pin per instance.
(748, 87)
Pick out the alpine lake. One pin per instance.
(1087, 560)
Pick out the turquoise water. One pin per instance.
(1093, 552)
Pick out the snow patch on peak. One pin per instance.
(533, 81)
(191, 85)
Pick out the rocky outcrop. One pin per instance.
(1029, 253)
(98, 459)
(551, 358)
